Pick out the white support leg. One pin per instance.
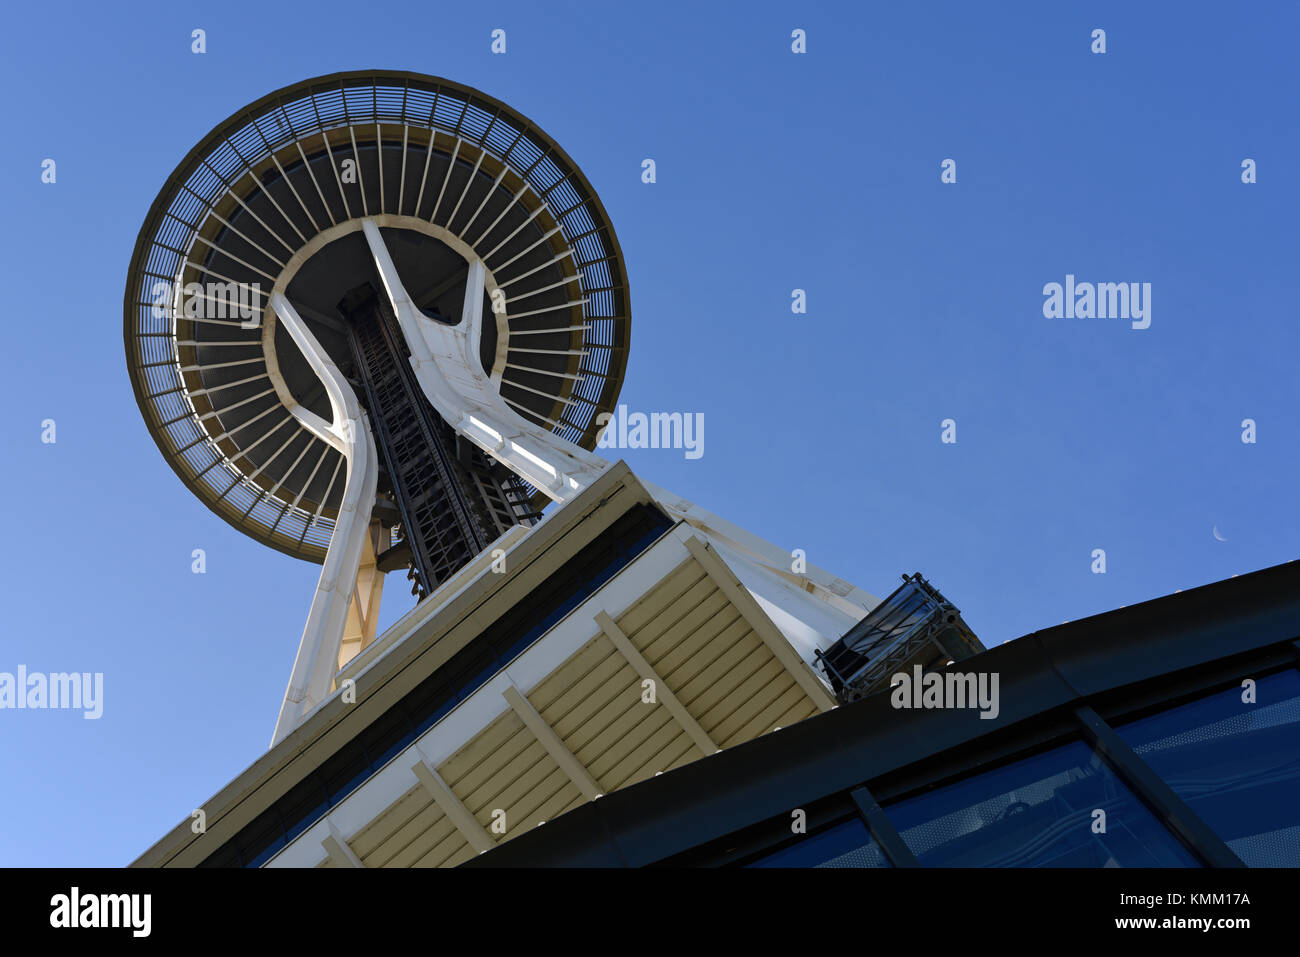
(846, 598)
(349, 432)
(445, 360)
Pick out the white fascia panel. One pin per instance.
(807, 622)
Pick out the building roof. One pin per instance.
(1121, 663)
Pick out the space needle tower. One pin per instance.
(439, 311)
(373, 320)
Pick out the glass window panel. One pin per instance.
(1236, 764)
(1038, 812)
(845, 845)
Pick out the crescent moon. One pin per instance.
(1217, 536)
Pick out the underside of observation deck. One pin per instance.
(272, 200)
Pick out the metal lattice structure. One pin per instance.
(915, 625)
(454, 500)
(263, 200)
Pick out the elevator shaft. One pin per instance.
(454, 500)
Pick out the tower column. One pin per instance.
(322, 638)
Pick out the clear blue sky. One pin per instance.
(775, 171)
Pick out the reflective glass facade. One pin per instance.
(1062, 808)
(1164, 734)
(848, 844)
(1234, 757)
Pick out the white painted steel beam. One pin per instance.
(839, 594)
(663, 693)
(739, 596)
(446, 364)
(451, 806)
(338, 849)
(445, 359)
(318, 652)
(551, 741)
